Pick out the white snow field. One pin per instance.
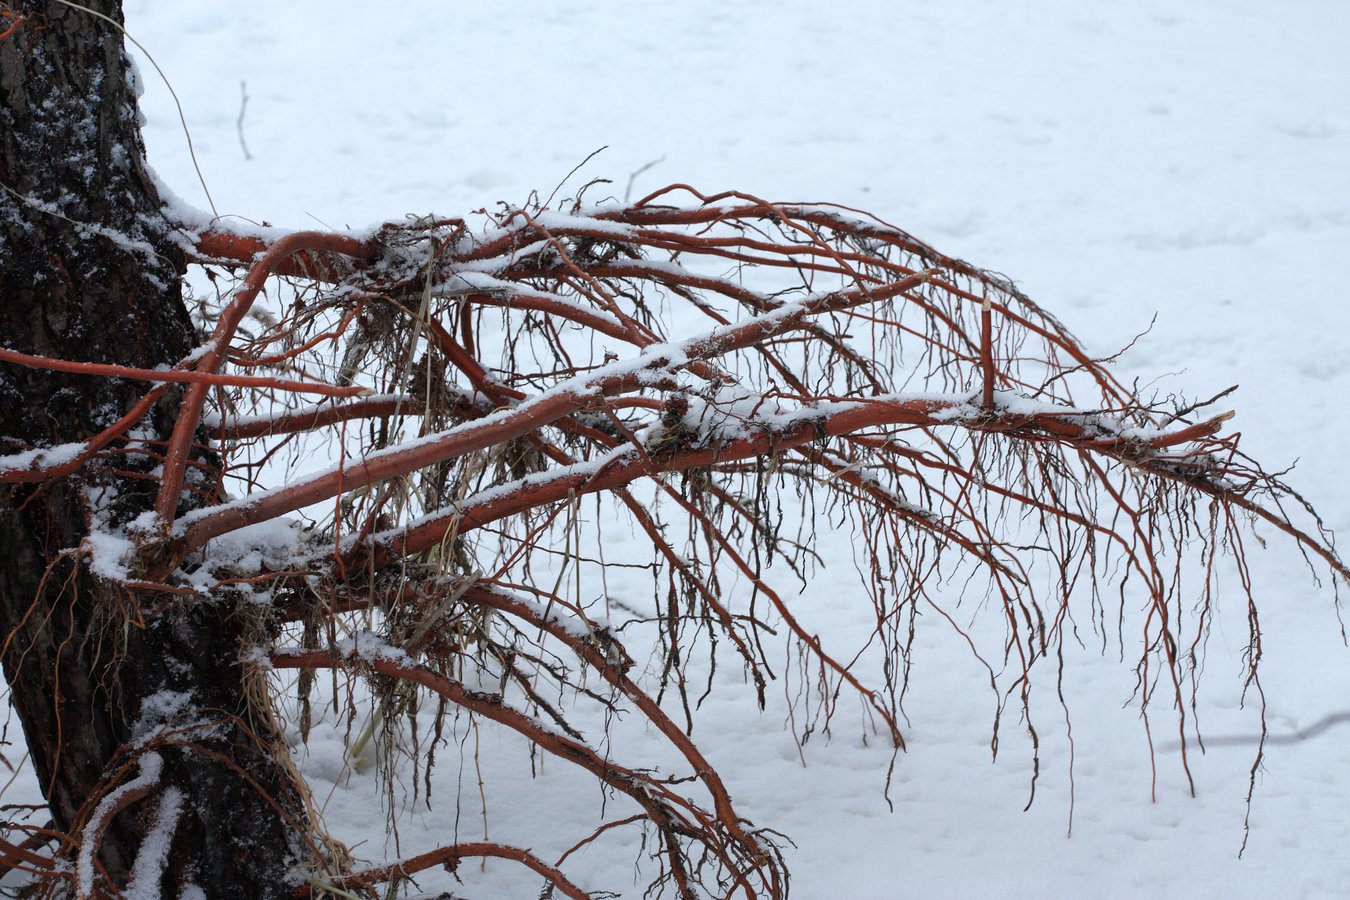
(1120, 160)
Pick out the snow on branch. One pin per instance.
(720, 375)
(116, 800)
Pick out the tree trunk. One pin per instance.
(89, 271)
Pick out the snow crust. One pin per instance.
(147, 872)
(41, 457)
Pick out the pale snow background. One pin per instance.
(1119, 159)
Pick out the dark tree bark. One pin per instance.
(89, 271)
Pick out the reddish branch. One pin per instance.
(15, 22)
(312, 420)
(628, 466)
(450, 856)
(190, 413)
(312, 262)
(987, 353)
(37, 472)
(16, 856)
(197, 379)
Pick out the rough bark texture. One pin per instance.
(88, 271)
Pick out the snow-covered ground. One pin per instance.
(1121, 160)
